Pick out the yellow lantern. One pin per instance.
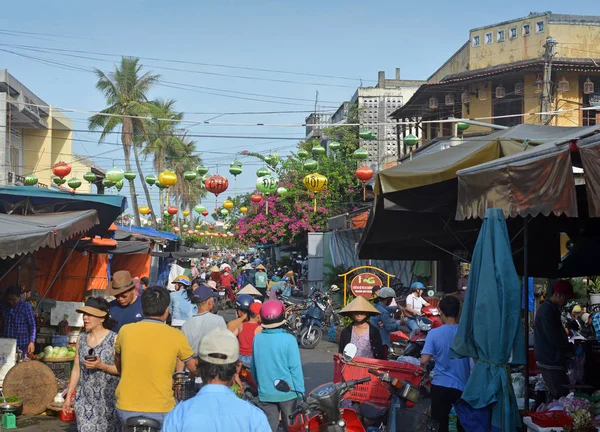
(228, 204)
(243, 210)
(185, 213)
(144, 210)
(167, 178)
(315, 183)
(198, 227)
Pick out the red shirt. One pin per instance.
(246, 337)
(226, 279)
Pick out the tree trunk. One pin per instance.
(126, 139)
(144, 185)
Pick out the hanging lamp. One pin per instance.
(588, 87)
(563, 85)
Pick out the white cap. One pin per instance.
(219, 346)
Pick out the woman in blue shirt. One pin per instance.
(181, 307)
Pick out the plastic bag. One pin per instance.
(331, 333)
(518, 383)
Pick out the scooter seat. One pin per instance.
(373, 411)
(140, 421)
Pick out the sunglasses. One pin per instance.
(123, 294)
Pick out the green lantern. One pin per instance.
(318, 150)
(59, 181)
(199, 208)
(235, 170)
(367, 134)
(282, 191)
(360, 154)
(74, 183)
(107, 183)
(303, 154)
(264, 171)
(201, 170)
(334, 145)
(462, 126)
(224, 212)
(90, 177)
(160, 185)
(129, 175)
(115, 174)
(185, 226)
(190, 175)
(30, 180)
(272, 159)
(236, 163)
(166, 213)
(311, 164)
(267, 184)
(119, 185)
(151, 179)
(410, 140)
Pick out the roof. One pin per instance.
(552, 18)
(125, 232)
(23, 234)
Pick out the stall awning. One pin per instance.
(183, 253)
(125, 232)
(22, 234)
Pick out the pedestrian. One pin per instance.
(242, 305)
(216, 408)
(243, 278)
(250, 290)
(182, 307)
(361, 333)
(414, 304)
(260, 280)
(146, 354)
(94, 377)
(247, 330)
(204, 321)
(384, 321)
(228, 281)
(450, 375)
(551, 344)
(18, 321)
(145, 283)
(275, 355)
(126, 308)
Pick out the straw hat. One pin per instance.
(250, 290)
(212, 284)
(359, 304)
(261, 267)
(121, 282)
(214, 269)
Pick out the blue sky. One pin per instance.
(353, 38)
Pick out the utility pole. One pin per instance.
(546, 102)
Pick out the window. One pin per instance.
(526, 29)
(501, 35)
(487, 38)
(509, 105)
(476, 41)
(512, 33)
(539, 27)
(590, 117)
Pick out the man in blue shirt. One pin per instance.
(127, 307)
(384, 321)
(450, 375)
(216, 408)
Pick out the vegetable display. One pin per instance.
(54, 352)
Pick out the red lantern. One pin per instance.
(224, 235)
(201, 234)
(172, 210)
(205, 213)
(176, 229)
(211, 227)
(216, 184)
(190, 232)
(364, 174)
(256, 198)
(61, 169)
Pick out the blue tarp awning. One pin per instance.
(146, 232)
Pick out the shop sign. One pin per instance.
(363, 283)
(595, 100)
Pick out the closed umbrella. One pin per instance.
(490, 329)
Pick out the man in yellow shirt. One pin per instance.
(146, 355)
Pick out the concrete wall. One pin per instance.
(576, 41)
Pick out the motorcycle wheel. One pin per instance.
(309, 340)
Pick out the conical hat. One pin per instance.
(261, 267)
(250, 290)
(359, 304)
(214, 269)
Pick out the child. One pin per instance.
(246, 332)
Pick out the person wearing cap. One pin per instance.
(214, 274)
(204, 321)
(575, 322)
(126, 308)
(361, 333)
(414, 304)
(94, 377)
(182, 307)
(551, 344)
(260, 280)
(146, 354)
(384, 321)
(216, 407)
(246, 331)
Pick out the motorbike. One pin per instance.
(399, 341)
(311, 329)
(430, 320)
(142, 424)
(224, 300)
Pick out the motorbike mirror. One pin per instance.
(282, 386)
(350, 351)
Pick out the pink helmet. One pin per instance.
(272, 314)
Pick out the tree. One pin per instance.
(126, 92)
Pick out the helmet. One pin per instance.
(183, 280)
(272, 314)
(225, 267)
(387, 292)
(417, 286)
(243, 302)
(576, 310)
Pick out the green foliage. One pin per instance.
(332, 278)
(284, 261)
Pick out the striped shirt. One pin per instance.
(18, 323)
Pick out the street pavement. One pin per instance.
(317, 364)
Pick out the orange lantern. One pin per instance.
(256, 198)
(364, 174)
(61, 169)
(216, 185)
(190, 232)
(176, 229)
(172, 210)
(211, 227)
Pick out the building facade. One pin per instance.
(511, 73)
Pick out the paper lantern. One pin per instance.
(166, 213)
(198, 227)
(59, 181)
(151, 179)
(311, 164)
(190, 232)
(160, 185)
(315, 183)
(199, 208)
(90, 177)
(243, 210)
(364, 174)
(119, 185)
(61, 169)
(190, 175)
(462, 126)
(216, 184)
(228, 204)
(201, 234)
(235, 168)
(74, 183)
(205, 213)
(272, 159)
(130, 175)
(185, 213)
(318, 150)
(367, 134)
(107, 183)
(30, 180)
(267, 184)
(230, 234)
(224, 212)
(176, 229)
(256, 198)
(172, 210)
(334, 145)
(211, 227)
(167, 178)
(184, 226)
(281, 191)
(360, 154)
(115, 174)
(201, 170)
(410, 140)
(144, 210)
(303, 154)
(264, 171)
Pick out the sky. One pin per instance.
(350, 40)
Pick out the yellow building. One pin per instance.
(34, 137)
(498, 77)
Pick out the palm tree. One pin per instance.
(126, 92)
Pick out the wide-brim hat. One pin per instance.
(247, 267)
(91, 308)
(121, 282)
(261, 267)
(250, 290)
(359, 305)
(214, 269)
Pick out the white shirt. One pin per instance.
(415, 302)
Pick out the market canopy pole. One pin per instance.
(526, 305)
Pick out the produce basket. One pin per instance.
(57, 359)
